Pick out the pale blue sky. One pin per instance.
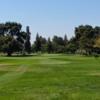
(51, 17)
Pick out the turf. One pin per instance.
(50, 77)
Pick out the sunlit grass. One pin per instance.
(50, 77)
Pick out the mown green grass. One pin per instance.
(50, 77)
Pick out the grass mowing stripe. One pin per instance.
(11, 76)
(50, 77)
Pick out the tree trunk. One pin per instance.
(9, 54)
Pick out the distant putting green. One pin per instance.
(50, 77)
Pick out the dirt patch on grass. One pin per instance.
(5, 65)
(94, 73)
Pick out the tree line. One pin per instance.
(14, 40)
(86, 41)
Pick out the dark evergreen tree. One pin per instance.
(65, 40)
(49, 46)
(43, 44)
(38, 43)
(27, 42)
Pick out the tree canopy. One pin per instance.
(14, 40)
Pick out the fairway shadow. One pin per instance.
(32, 55)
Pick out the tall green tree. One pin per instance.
(49, 46)
(65, 40)
(58, 44)
(85, 38)
(12, 38)
(43, 44)
(27, 42)
(37, 43)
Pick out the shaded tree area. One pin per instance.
(86, 41)
(86, 37)
(27, 40)
(54, 45)
(13, 39)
